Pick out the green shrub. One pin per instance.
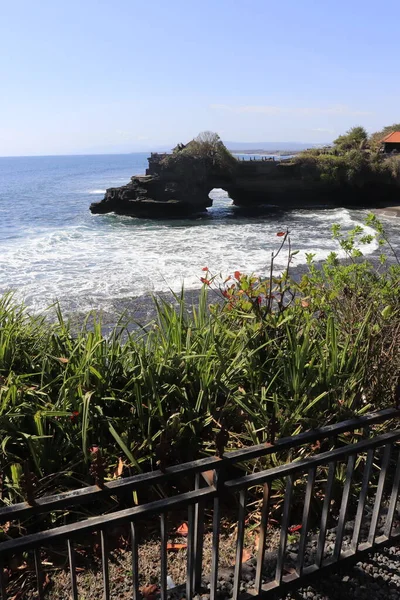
(355, 139)
(354, 161)
(354, 168)
(206, 151)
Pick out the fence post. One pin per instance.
(198, 537)
(216, 525)
(263, 534)
(239, 543)
(3, 586)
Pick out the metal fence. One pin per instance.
(366, 472)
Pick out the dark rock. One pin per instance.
(178, 185)
(151, 197)
(174, 190)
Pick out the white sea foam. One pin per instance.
(52, 247)
(86, 264)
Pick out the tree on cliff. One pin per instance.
(354, 139)
(210, 146)
(209, 140)
(206, 148)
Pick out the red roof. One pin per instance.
(393, 138)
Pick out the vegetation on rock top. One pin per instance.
(354, 160)
(205, 156)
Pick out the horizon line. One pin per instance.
(256, 147)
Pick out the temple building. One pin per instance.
(391, 142)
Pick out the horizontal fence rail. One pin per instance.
(348, 493)
(89, 494)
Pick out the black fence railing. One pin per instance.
(349, 491)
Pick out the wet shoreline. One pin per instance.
(136, 312)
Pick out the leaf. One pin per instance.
(387, 311)
(183, 529)
(246, 555)
(149, 590)
(294, 528)
(6, 526)
(305, 303)
(96, 373)
(175, 547)
(209, 476)
(86, 422)
(63, 360)
(281, 233)
(124, 447)
(119, 470)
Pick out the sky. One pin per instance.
(93, 76)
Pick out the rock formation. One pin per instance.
(179, 188)
(178, 184)
(151, 196)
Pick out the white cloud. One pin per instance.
(323, 130)
(339, 110)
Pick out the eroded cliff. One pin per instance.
(179, 184)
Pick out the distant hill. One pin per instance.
(268, 146)
(245, 147)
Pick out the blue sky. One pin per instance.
(123, 75)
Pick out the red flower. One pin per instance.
(74, 415)
(259, 299)
(205, 281)
(94, 449)
(205, 269)
(237, 275)
(294, 528)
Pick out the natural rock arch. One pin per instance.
(179, 184)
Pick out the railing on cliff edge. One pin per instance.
(374, 517)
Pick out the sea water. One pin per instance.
(53, 248)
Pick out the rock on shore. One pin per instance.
(151, 196)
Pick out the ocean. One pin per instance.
(52, 248)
